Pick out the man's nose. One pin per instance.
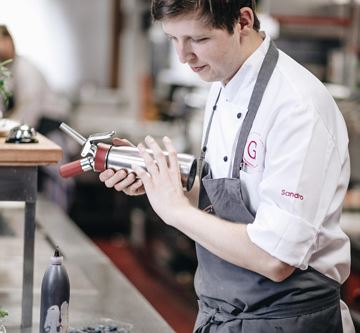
(184, 52)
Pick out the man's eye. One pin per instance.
(199, 40)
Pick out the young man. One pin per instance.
(271, 252)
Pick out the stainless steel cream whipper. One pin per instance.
(98, 156)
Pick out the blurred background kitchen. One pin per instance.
(107, 67)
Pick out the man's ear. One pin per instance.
(246, 18)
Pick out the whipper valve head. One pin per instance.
(88, 144)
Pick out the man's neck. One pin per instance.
(250, 43)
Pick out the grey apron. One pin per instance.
(234, 299)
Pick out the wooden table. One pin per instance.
(18, 182)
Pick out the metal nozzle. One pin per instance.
(57, 252)
(75, 135)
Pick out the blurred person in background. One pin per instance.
(33, 102)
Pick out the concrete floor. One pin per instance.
(178, 311)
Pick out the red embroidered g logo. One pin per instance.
(251, 149)
(254, 151)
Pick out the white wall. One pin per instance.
(68, 39)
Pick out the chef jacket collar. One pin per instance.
(247, 73)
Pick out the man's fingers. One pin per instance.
(142, 174)
(116, 178)
(136, 185)
(106, 174)
(174, 165)
(150, 163)
(136, 188)
(121, 142)
(173, 161)
(158, 153)
(125, 183)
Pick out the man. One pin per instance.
(271, 253)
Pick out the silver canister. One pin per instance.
(122, 157)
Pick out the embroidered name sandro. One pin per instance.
(292, 195)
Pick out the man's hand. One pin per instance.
(121, 180)
(162, 180)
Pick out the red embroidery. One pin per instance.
(292, 195)
(251, 149)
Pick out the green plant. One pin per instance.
(3, 313)
(4, 74)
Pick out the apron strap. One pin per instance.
(204, 147)
(262, 81)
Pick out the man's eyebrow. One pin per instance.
(201, 35)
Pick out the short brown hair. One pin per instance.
(4, 32)
(221, 14)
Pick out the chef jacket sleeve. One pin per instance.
(298, 190)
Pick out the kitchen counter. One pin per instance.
(98, 289)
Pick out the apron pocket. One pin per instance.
(324, 321)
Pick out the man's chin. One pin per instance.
(207, 78)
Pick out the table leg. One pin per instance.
(28, 265)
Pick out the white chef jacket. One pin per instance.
(296, 164)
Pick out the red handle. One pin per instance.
(71, 169)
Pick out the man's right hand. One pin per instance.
(121, 180)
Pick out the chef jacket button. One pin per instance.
(214, 107)
(238, 115)
(225, 158)
(204, 149)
